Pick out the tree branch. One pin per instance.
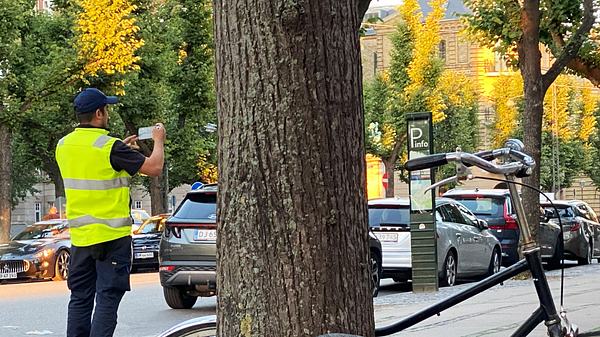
(585, 69)
(52, 89)
(572, 47)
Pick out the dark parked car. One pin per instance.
(581, 230)
(146, 240)
(495, 207)
(40, 251)
(187, 254)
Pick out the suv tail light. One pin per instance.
(509, 221)
(166, 268)
(575, 227)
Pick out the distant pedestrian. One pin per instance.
(96, 171)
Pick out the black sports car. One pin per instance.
(40, 251)
(146, 240)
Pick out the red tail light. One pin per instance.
(166, 268)
(511, 223)
(575, 227)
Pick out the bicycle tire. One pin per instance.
(198, 327)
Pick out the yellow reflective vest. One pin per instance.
(97, 195)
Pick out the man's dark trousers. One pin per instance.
(102, 272)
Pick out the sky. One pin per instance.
(378, 3)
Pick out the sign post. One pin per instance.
(422, 206)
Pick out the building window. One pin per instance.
(38, 211)
(138, 204)
(500, 62)
(48, 4)
(463, 52)
(442, 50)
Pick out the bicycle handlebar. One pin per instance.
(521, 166)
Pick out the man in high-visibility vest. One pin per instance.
(96, 170)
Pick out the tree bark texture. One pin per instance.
(158, 194)
(53, 171)
(292, 217)
(5, 182)
(530, 66)
(389, 170)
(390, 165)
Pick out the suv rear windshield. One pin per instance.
(198, 206)
(564, 211)
(485, 206)
(388, 215)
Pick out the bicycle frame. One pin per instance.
(545, 313)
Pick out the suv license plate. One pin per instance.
(4, 276)
(205, 235)
(144, 255)
(387, 237)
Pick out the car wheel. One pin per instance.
(61, 266)
(587, 259)
(449, 271)
(375, 268)
(177, 298)
(558, 254)
(495, 262)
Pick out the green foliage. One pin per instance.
(572, 156)
(496, 24)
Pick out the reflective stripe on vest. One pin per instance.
(101, 141)
(96, 185)
(88, 219)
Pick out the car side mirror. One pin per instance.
(548, 214)
(482, 224)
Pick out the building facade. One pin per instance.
(482, 65)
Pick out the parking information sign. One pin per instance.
(422, 214)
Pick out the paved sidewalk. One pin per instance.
(500, 310)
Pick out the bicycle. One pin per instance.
(514, 164)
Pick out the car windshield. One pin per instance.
(388, 215)
(152, 225)
(43, 231)
(488, 206)
(564, 211)
(139, 216)
(198, 206)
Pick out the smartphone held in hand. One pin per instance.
(145, 133)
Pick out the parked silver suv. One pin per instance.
(187, 253)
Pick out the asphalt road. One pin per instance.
(39, 308)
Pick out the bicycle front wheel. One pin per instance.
(196, 327)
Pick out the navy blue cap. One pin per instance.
(91, 99)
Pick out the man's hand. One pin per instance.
(131, 141)
(159, 133)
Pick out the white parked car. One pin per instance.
(465, 246)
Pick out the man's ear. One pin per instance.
(100, 113)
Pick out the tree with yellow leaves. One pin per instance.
(107, 37)
(506, 94)
(417, 82)
(588, 119)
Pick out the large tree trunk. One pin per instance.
(53, 171)
(158, 193)
(389, 170)
(5, 182)
(292, 234)
(530, 66)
